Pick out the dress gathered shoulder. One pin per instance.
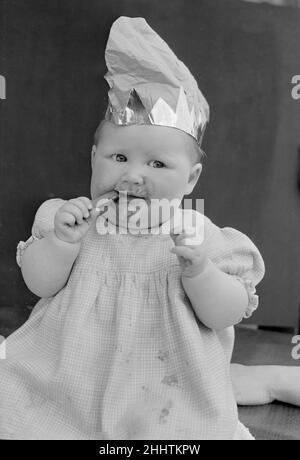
(118, 352)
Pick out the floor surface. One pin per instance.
(274, 421)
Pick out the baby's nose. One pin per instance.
(133, 176)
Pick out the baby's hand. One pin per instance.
(73, 219)
(190, 252)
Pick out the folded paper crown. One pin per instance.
(148, 83)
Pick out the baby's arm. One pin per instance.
(219, 300)
(47, 262)
(219, 273)
(255, 385)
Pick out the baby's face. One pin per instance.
(151, 161)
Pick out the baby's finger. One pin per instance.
(183, 251)
(102, 202)
(193, 241)
(87, 201)
(173, 236)
(68, 218)
(75, 210)
(185, 239)
(175, 233)
(191, 237)
(81, 204)
(95, 212)
(189, 231)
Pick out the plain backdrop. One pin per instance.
(243, 56)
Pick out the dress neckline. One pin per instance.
(162, 230)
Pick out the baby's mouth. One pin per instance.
(129, 196)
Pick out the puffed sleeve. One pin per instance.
(43, 224)
(235, 254)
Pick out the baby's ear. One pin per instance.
(194, 176)
(93, 153)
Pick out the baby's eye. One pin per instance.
(119, 157)
(157, 164)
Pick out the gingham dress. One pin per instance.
(118, 352)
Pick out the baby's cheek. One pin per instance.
(102, 181)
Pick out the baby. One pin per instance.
(133, 335)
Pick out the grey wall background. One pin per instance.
(294, 3)
(243, 56)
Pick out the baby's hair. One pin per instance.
(194, 149)
(97, 132)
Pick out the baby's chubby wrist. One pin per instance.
(191, 253)
(68, 246)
